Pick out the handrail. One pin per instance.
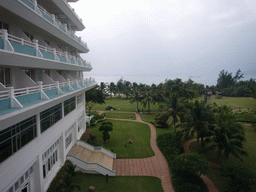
(68, 31)
(99, 148)
(4, 94)
(93, 163)
(41, 47)
(27, 90)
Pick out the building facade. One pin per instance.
(42, 90)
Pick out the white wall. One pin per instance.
(13, 167)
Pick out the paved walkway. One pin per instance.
(153, 166)
(207, 181)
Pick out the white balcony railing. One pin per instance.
(53, 20)
(11, 38)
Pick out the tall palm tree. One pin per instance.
(111, 88)
(174, 107)
(198, 118)
(147, 99)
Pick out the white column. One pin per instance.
(7, 44)
(14, 102)
(38, 52)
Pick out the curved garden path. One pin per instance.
(156, 166)
(207, 181)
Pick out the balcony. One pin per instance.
(14, 99)
(20, 7)
(18, 45)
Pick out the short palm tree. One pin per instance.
(228, 135)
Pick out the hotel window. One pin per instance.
(18, 184)
(68, 140)
(31, 37)
(5, 76)
(69, 105)
(15, 137)
(50, 158)
(46, 72)
(30, 73)
(79, 99)
(4, 25)
(50, 117)
(80, 123)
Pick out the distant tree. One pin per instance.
(120, 86)
(225, 79)
(112, 88)
(147, 98)
(92, 97)
(127, 89)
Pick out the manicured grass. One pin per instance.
(122, 104)
(117, 183)
(249, 162)
(120, 115)
(139, 133)
(234, 102)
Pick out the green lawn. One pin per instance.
(122, 104)
(117, 183)
(120, 115)
(139, 133)
(249, 162)
(234, 102)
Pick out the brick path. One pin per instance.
(153, 166)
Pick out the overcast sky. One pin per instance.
(173, 38)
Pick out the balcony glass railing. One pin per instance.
(53, 20)
(23, 46)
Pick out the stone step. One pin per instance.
(91, 157)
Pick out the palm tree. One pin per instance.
(198, 118)
(147, 99)
(228, 135)
(174, 107)
(112, 88)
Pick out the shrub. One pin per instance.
(110, 107)
(190, 164)
(163, 119)
(62, 175)
(170, 145)
(191, 183)
(240, 178)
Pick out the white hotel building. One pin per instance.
(42, 91)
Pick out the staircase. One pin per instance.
(90, 159)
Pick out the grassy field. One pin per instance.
(139, 133)
(122, 104)
(234, 102)
(117, 183)
(120, 115)
(249, 162)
